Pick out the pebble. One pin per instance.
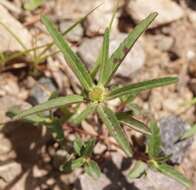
(8, 173)
(7, 102)
(94, 25)
(8, 42)
(172, 128)
(163, 42)
(41, 91)
(168, 10)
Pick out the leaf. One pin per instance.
(71, 58)
(136, 109)
(154, 141)
(98, 61)
(129, 98)
(173, 173)
(53, 103)
(113, 125)
(104, 67)
(189, 133)
(79, 117)
(138, 170)
(141, 86)
(88, 149)
(126, 119)
(73, 164)
(78, 144)
(124, 48)
(57, 130)
(31, 5)
(35, 119)
(93, 169)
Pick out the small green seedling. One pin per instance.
(96, 94)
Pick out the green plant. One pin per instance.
(96, 94)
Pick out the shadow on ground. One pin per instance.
(30, 145)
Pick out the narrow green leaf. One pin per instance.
(53, 103)
(113, 15)
(88, 149)
(78, 144)
(136, 109)
(79, 117)
(92, 169)
(154, 141)
(35, 119)
(189, 133)
(126, 119)
(95, 69)
(71, 58)
(104, 67)
(31, 5)
(124, 48)
(137, 170)
(141, 86)
(73, 164)
(113, 125)
(173, 173)
(129, 98)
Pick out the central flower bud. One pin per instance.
(97, 94)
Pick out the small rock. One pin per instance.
(172, 128)
(164, 43)
(86, 182)
(8, 172)
(132, 63)
(99, 148)
(72, 9)
(76, 34)
(42, 90)
(8, 102)
(6, 152)
(8, 42)
(168, 11)
(8, 85)
(94, 25)
(88, 51)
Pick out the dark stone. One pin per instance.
(172, 128)
(41, 91)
